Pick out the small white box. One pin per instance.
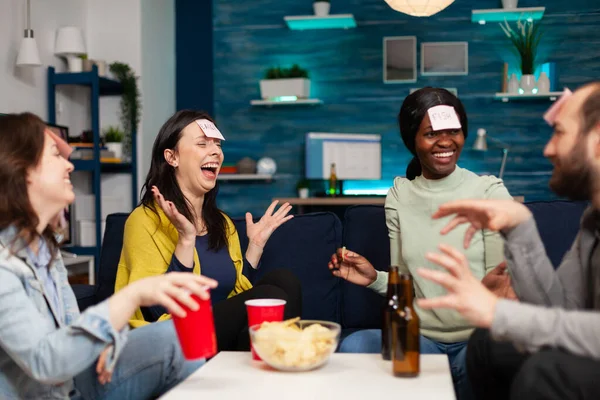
(85, 234)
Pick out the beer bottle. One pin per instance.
(405, 332)
(393, 292)
(333, 182)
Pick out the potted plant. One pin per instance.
(509, 4)
(303, 188)
(86, 64)
(321, 8)
(113, 140)
(285, 82)
(131, 104)
(525, 40)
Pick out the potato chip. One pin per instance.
(286, 345)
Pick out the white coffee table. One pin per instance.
(233, 375)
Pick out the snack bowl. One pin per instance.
(295, 345)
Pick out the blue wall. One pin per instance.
(346, 73)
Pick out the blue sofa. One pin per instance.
(306, 243)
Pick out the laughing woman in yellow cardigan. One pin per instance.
(178, 227)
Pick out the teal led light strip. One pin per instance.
(329, 22)
(500, 15)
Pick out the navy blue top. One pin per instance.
(217, 265)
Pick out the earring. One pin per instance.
(175, 165)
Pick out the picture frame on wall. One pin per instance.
(60, 130)
(400, 59)
(454, 91)
(444, 58)
(64, 227)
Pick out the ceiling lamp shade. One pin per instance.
(28, 52)
(419, 8)
(69, 41)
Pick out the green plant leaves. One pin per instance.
(286, 73)
(131, 104)
(525, 40)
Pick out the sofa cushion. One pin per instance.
(304, 245)
(558, 223)
(365, 232)
(112, 244)
(85, 295)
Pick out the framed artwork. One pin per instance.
(63, 226)
(60, 131)
(454, 91)
(399, 59)
(444, 58)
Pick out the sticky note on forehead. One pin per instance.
(63, 147)
(209, 129)
(443, 117)
(552, 113)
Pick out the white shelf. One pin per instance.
(500, 15)
(245, 177)
(299, 102)
(506, 97)
(335, 21)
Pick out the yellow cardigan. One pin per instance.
(148, 246)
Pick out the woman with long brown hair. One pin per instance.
(179, 227)
(47, 348)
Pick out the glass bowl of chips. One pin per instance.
(295, 345)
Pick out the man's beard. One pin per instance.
(574, 178)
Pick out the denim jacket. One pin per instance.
(41, 351)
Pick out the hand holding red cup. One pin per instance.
(196, 331)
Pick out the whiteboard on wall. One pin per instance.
(356, 156)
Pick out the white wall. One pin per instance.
(114, 34)
(140, 33)
(24, 89)
(158, 83)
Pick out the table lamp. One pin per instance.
(69, 44)
(481, 145)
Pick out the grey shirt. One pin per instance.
(556, 308)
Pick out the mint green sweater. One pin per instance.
(408, 209)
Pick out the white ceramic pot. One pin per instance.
(101, 64)
(321, 8)
(509, 4)
(273, 88)
(303, 193)
(116, 148)
(543, 83)
(513, 84)
(86, 65)
(75, 63)
(527, 83)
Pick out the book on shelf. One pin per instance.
(88, 154)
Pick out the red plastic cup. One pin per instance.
(196, 331)
(264, 310)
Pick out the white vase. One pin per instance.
(509, 4)
(543, 83)
(513, 84)
(116, 148)
(527, 83)
(321, 8)
(303, 193)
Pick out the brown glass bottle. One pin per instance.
(405, 332)
(394, 290)
(333, 182)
